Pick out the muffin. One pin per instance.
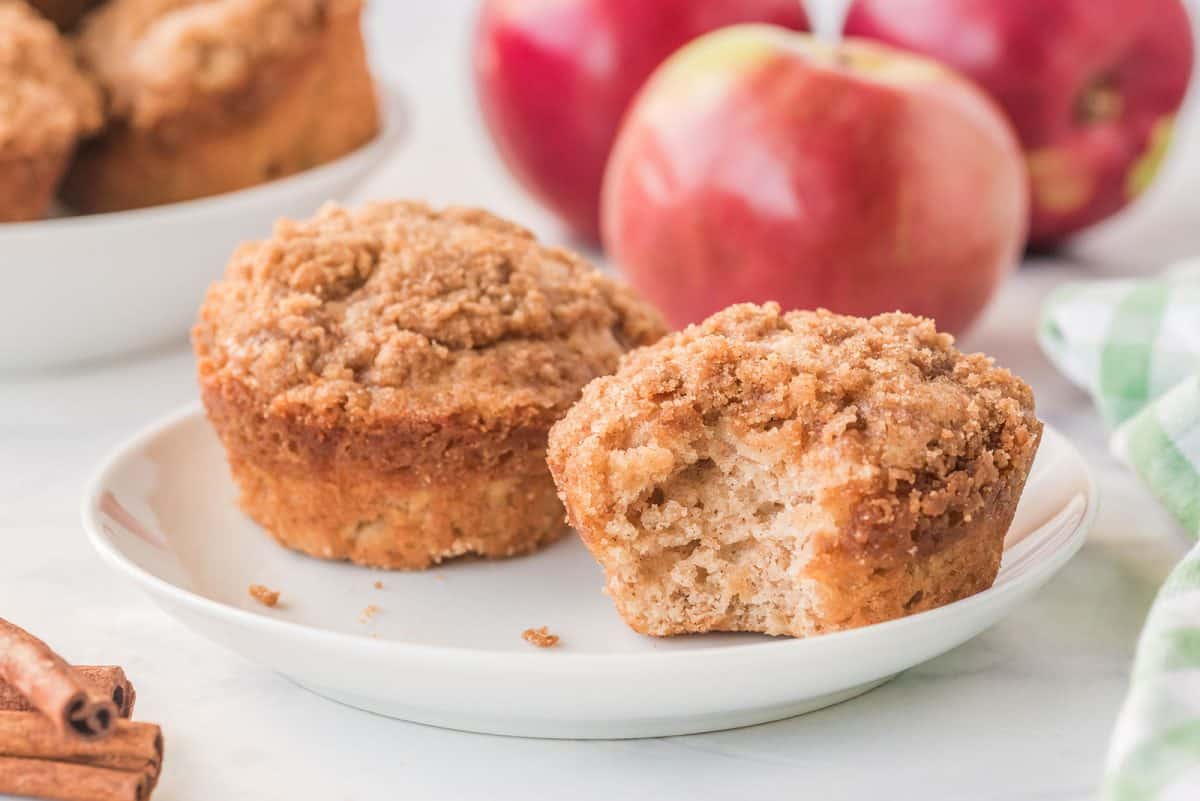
(383, 380)
(46, 105)
(795, 473)
(209, 96)
(64, 13)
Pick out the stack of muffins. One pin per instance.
(134, 103)
(398, 386)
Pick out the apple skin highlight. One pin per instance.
(759, 164)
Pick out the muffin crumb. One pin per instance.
(541, 637)
(368, 612)
(264, 595)
(378, 585)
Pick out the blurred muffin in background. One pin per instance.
(46, 105)
(211, 96)
(64, 13)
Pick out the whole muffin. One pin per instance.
(384, 379)
(46, 105)
(795, 473)
(209, 96)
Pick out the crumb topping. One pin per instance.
(893, 431)
(46, 102)
(541, 637)
(397, 311)
(264, 595)
(155, 58)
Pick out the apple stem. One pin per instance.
(828, 18)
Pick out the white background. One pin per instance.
(1022, 713)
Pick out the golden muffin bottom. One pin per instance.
(393, 496)
(302, 112)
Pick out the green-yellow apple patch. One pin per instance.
(1142, 173)
(700, 72)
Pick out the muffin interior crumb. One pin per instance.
(723, 538)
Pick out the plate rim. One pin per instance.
(194, 602)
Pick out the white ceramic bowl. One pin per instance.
(88, 287)
(445, 646)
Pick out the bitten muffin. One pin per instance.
(383, 380)
(46, 105)
(795, 473)
(209, 96)
(64, 13)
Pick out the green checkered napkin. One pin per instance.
(1135, 345)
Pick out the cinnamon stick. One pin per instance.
(133, 746)
(41, 675)
(108, 681)
(65, 781)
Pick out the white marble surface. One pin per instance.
(1022, 713)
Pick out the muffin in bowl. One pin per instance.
(46, 106)
(383, 380)
(209, 96)
(795, 474)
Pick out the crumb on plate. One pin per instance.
(541, 637)
(368, 612)
(264, 595)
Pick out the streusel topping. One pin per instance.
(46, 103)
(907, 434)
(399, 311)
(156, 58)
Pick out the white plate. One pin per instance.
(445, 646)
(81, 288)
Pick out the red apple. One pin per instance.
(554, 78)
(1091, 87)
(759, 164)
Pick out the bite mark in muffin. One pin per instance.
(795, 473)
(384, 379)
